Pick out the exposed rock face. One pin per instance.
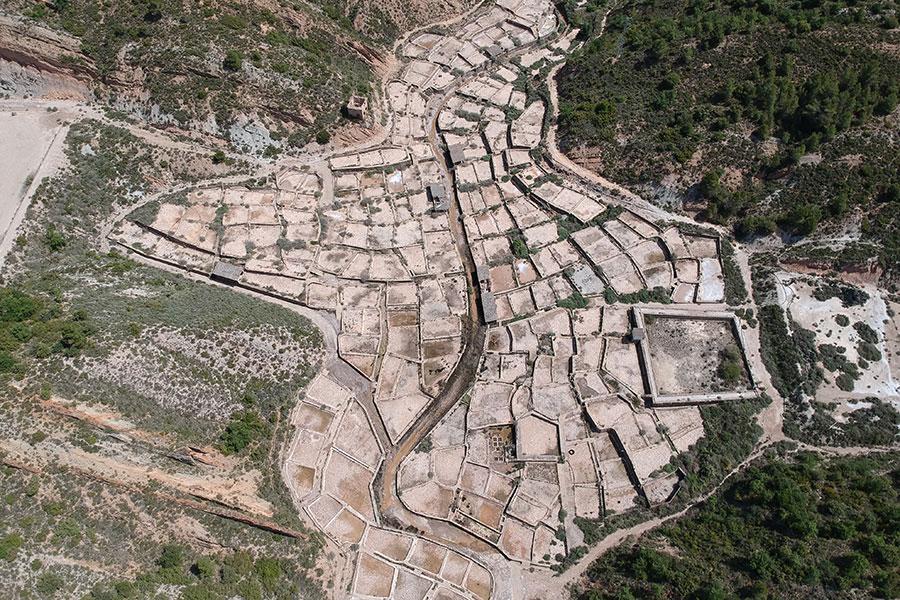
(24, 81)
(33, 46)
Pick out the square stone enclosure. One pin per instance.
(690, 357)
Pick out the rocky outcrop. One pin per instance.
(31, 45)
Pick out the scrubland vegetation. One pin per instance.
(208, 365)
(769, 116)
(189, 363)
(286, 61)
(139, 545)
(794, 527)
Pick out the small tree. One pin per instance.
(172, 557)
(54, 239)
(233, 60)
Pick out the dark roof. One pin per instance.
(227, 271)
(438, 195)
(457, 154)
(488, 307)
(436, 191)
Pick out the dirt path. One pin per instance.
(557, 588)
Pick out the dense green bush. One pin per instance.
(34, 327)
(847, 294)
(576, 300)
(9, 546)
(790, 359)
(244, 428)
(866, 333)
(233, 60)
(240, 574)
(868, 351)
(678, 85)
(731, 365)
(802, 527)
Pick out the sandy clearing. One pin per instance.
(30, 148)
(819, 317)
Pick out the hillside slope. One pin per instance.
(264, 74)
(768, 117)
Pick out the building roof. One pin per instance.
(457, 154)
(488, 306)
(483, 273)
(586, 281)
(357, 101)
(438, 195)
(227, 271)
(637, 334)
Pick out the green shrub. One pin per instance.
(790, 359)
(575, 301)
(848, 295)
(802, 219)
(658, 294)
(244, 428)
(735, 288)
(9, 546)
(205, 568)
(8, 362)
(865, 332)
(731, 367)
(171, 557)
(868, 351)
(17, 306)
(518, 245)
(49, 583)
(233, 60)
(54, 239)
(844, 382)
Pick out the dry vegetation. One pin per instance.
(92, 498)
(265, 75)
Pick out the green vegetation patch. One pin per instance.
(31, 326)
(795, 527)
(761, 115)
